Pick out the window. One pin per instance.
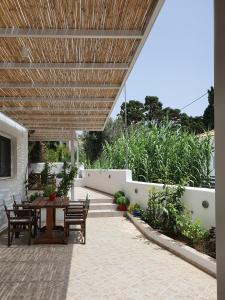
(5, 157)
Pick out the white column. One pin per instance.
(219, 64)
(78, 162)
(72, 152)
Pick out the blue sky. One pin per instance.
(176, 62)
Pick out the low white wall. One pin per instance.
(38, 167)
(19, 142)
(111, 181)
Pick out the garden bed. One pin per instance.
(200, 260)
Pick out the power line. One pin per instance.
(194, 101)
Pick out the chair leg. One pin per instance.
(84, 232)
(13, 230)
(39, 218)
(29, 233)
(9, 240)
(65, 234)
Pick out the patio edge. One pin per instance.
(200, 260)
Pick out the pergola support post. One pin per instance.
(219, 20)
(78, 162)
(72, 151)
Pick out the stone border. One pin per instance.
(200, 260)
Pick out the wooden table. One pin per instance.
(50, 234)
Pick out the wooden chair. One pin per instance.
(76, 214)
(18, 203)
(18, 221)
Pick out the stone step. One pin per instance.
(103, 206)
(102, 200)
(105, 213)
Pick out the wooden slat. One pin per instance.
(69, 33)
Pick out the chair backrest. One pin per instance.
(6, 209)
(17, 198)
(87, 202)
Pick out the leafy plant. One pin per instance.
(164, 208)
(45, 173)
(134, 207)
(122, 200)
(48, 189)
(68, 173)
(191, 230)
(34, 196)
(118, 194)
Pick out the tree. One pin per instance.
(135, 112)
(153, 109)
(93, 144)
(172, 115)
(208, 116)
(113, 129)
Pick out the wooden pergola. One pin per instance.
(63, 64)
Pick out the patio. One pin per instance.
(117, 262)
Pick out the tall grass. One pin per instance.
(162, 154)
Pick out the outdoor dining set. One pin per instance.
(23, 216)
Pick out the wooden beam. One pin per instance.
(70, 85)
(50, 109)
(55, 99)
(56, 117)
(63, 66)
(69, 33)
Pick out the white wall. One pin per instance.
(110, 181)
(38, 167)
(15, 184)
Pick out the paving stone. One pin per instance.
(116, 263)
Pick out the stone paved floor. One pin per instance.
(116, 263)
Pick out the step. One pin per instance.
(102, 206)
(102, 200)
(105, 213)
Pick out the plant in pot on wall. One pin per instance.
(67, 176)
(135, 209)
(122, 203)
(49, 191)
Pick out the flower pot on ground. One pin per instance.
(122, 203)
(135, 209)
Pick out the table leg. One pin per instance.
(49, 220)
(50, 236)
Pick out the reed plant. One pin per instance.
(162, 154)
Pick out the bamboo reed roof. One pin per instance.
(63, 63)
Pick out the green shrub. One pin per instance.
(34, 196)
(118, 194)
(122, 200)
(134, 207)
(45, 173)
(192, 230)
(68, 173)
(164, 208)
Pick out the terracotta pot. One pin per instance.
(121, 207)
(52, 196)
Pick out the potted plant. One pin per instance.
(122, 203)
(135, 209)
(117, 195)
(49, 191)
